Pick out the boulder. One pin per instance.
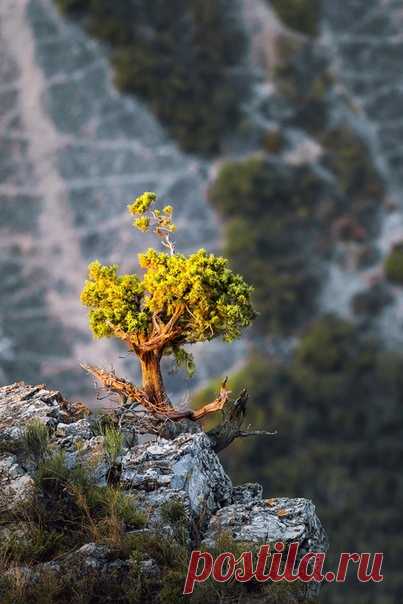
(155, 474)
(184, 468)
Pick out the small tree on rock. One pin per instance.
(177, 299)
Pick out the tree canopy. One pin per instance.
(198, 293)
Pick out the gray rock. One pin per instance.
(154, 474)
(20, 403)
(268, 521)
(15, 483)
(247, 492)
(185, 468)
(94, 558)
(75, 431)
(88, 452)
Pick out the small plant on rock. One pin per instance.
(36, 439)
(113, 443)
(178, 299)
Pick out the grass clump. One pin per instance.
(68, 509)
(35, 544)
(113, 443)
(70, 587)
(35, 439)
(121, 508)
(173, 512)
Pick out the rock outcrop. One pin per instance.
(155, 473)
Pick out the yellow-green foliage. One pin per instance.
(114, 300)
(213, 300)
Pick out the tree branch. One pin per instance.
(112, 383)
(217, 405)
(231, 427)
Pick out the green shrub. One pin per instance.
(394, 265)
(349, 159)
(305, 85)
(301, 15)
(269, 205)
(178, 56)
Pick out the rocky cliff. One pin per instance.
(89, 512)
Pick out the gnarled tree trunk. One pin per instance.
(153, 384)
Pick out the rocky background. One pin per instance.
(274, 127)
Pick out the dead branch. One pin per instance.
(217, 405)
(231, 427)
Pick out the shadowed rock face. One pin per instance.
(184, 469)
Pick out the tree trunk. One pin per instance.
(153, 384)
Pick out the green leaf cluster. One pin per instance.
(159, 220)
(215, 300)
(114, 301)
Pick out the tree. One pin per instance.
(178, 299)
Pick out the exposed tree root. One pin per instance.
(161, 418)
(112, 383)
